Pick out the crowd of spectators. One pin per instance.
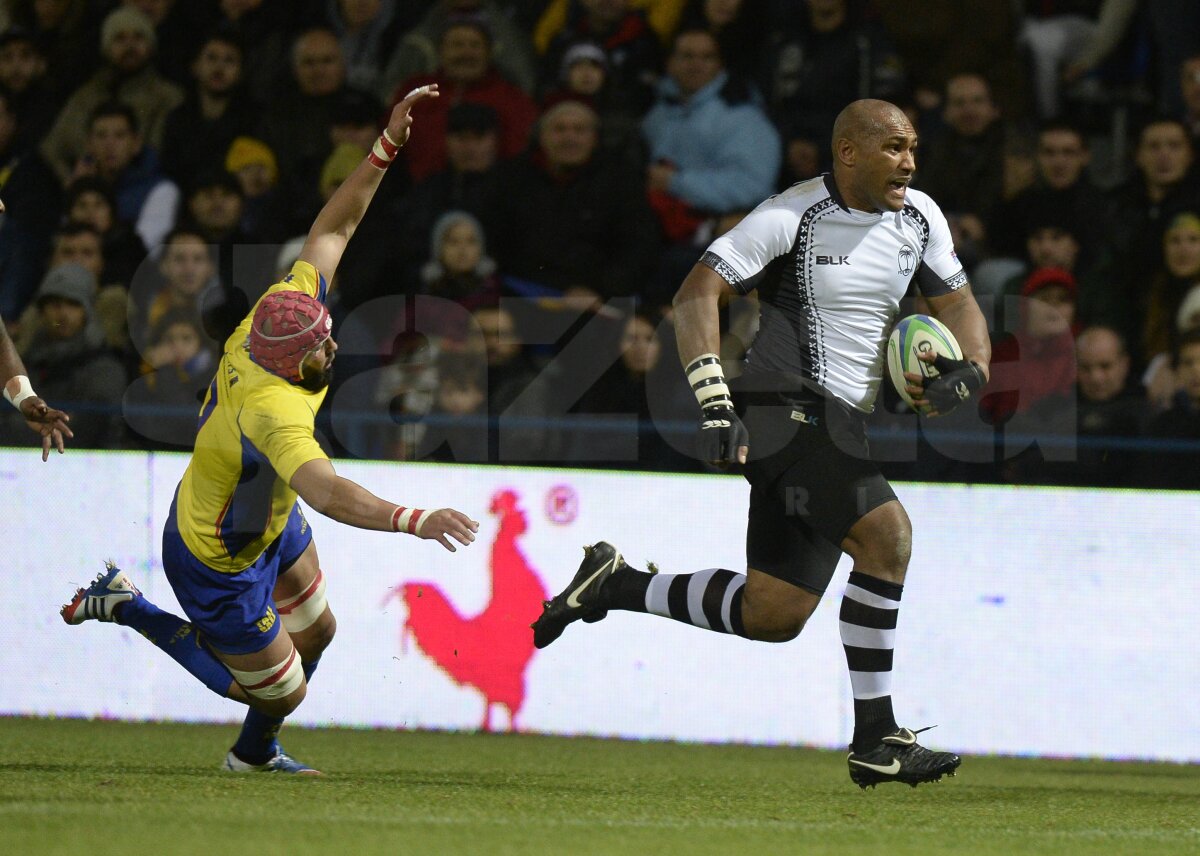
(507, 297)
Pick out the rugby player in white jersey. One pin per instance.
(831, 259)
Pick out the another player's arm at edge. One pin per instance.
(51, 424)
(697, 320)
(345, 501)
(959, 311)
(335, 224)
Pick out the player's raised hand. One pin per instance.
(400, 122)
(446, 523)
(50, 423)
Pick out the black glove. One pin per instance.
(721, 433)
(957, 381)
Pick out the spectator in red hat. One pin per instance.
(1037, 364)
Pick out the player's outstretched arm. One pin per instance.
(723, 438)
(343, 212)
(51, 424)
(351, 503)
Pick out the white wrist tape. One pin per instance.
(708, 381)
(24, 391)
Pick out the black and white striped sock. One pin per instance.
(710, 599)
(868, 629)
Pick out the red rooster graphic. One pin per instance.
(489, 651)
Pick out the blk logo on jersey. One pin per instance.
(906, 260)
(833, 260)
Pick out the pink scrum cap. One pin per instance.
(287, 327)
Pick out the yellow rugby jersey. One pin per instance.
(256, 430)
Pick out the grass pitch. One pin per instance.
(89, 788)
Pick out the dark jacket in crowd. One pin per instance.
(1173, 468)
(593, 228)
(193, 144)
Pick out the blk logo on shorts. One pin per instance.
(266, 622)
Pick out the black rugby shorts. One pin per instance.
(811, 479)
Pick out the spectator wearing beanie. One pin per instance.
(69, 361)
(393, 238)
(585, 74)
(128, 75)
(253, 164)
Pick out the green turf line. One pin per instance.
(82, 788)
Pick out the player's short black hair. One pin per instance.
(110, 109)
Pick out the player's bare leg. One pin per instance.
(299, 596)
(880, 543)
(774, 610)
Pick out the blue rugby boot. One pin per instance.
(111, 588)
(282, 762)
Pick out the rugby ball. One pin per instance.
(914, 335)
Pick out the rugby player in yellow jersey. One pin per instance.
(236, 548)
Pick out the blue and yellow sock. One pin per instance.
(179, 639)
(256, 744)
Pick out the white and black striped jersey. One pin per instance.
(830, 280)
